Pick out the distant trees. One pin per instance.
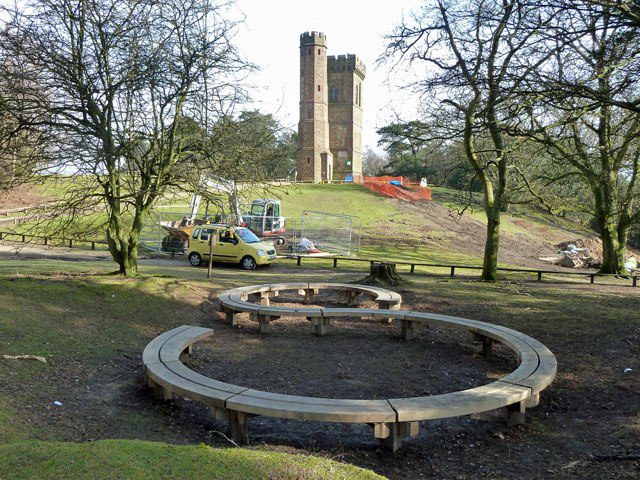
(252, 147)
(19, 146)
(373, 162)
(113, 82)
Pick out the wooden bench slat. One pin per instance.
(151, 353)
(312, 408)
(176, 384)
(174, 346)
(363, 312)
(480, 399)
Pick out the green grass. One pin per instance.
(139, 460)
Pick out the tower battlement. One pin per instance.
(313, 38)
(349, 62)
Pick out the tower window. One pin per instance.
(308, 160)
(318, 51)
(318, 87)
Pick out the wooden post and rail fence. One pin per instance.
(452, 268)
(80, 243)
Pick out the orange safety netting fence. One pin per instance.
(405, 190)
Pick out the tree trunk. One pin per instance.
(613, 251)
(129, 264)
(383, 273)
(492, 243)
(123, 248)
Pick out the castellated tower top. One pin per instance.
(349, 63)
(313, 38)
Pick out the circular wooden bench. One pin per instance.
(235, 301)
(392, 419)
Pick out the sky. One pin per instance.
(270, 38)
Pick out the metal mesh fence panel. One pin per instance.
(327, 233)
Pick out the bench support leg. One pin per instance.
(264, 323)
(515, 414)
(219, 413)
(319, 325)
(238, 423)
(408, 329)
(265, 298)
(395, 432)
(308, 296)
(487, 344)
(159, 392)
(487, 347)
(186, 353)
(351, 297)
(230, 316)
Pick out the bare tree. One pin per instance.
(373, 162)
(118, 80)
(476, 54)
(579, 113)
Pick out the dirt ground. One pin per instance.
(587, 425)
(21, 196)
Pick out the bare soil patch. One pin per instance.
(21, 196)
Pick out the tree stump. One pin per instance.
(383, 273)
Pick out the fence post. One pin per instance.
(23, 238)
(635, 281)
(593, 277)
(1, 235)
(539, 276)
(413, 267)
(335, 263)
(453, 271)
(46, 241)
(93, 245)
(299, 262)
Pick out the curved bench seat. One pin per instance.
(392, 419)
(235, 301)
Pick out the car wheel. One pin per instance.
(248, 263)
(195, 259)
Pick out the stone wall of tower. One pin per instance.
(315, 162)
(345, 75)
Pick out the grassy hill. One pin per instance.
(433, 231)
(392, 229)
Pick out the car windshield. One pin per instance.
(247, 235)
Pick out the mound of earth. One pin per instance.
(581, 252)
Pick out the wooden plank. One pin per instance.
(289, 311)
(173, 347)
(312, 408)
(176, 384)
(363, 313)
(151, 353)
(480, 399)
(196, 378)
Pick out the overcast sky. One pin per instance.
(270, 39)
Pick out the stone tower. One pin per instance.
(346, 74)
(315, 162)
(330, 127)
